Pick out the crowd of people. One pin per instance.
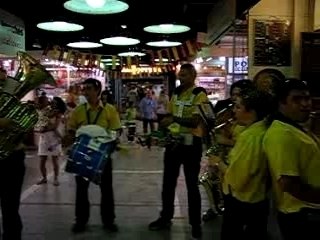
(272, 157)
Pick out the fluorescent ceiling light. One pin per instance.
(110, 64)
(96, 3)
(60, 26)
(163, 60)
(109, 60)
(167, 28)
(120, 41)
(84, 45)
(163, 43)
(131, 54)
(83, 6)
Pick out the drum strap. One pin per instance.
(97, 116)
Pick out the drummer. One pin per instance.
(93, 112)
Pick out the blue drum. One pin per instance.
(88, 156)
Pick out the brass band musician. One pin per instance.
(245, 178)
(226, 137)
(184, 116)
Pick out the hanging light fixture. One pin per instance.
(167, 28)
(96, 7)
(84, 44)
(60, 26)
(131, 54)
(120, 41)
(163, 43)
(96, 3)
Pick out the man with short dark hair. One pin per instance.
(294, 161)
(93, 112)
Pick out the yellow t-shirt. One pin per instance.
(246, 175)
(291, 152)
(108, 118)
(188, 109)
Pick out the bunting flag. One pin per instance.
(175, 54)
(181, 53)
(159, 52)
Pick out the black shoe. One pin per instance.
(160, 224)
(78, 228)
(111, 227)
(196, 232)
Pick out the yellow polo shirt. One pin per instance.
(108, 118)
(189, 111)
(291, 152)
(246, 176)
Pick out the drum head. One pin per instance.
(268, 79)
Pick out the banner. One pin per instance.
(12, 34)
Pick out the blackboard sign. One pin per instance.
(272, 43)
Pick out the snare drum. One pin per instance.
(88, 156)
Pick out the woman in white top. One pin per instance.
(50, 138)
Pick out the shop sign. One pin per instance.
(238, 65)
(12, 34)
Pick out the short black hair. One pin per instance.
(189, 67)
(95, 83)
(284, 88)
(241, 84)
(258, 101)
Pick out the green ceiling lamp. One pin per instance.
(164, 43)
(60, 26)
(167, 28)
(96, 7)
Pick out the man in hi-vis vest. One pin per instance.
(184, 118)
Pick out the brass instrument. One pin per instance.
(210, 179)
(30, 75)
(223, 119)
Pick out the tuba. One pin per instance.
(30, 75)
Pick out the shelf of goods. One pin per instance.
(214, 85)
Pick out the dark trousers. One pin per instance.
(145, 123)
(243, 220)
(190, 158)
(107, 199)
(299, 225)
(12, 172)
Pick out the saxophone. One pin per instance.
(30, 75)
(211, 178)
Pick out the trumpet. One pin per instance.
(29, 76)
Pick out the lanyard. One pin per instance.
(97, 116)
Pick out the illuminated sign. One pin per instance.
(238, 65)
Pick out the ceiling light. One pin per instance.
(131, 54)
(96, 3)
(120, 41)
(124, 26)
(60, 26)
(84, 44)
(111, 64)
(163, 60)
(167, 28)
(83, 6)
(109, 60)
(163, 43)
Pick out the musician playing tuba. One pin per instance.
(16, 119)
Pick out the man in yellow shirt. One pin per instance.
(185, 119)
(94, 112)
(294, 161)
(244, 184)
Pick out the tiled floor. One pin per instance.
(48, 211)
